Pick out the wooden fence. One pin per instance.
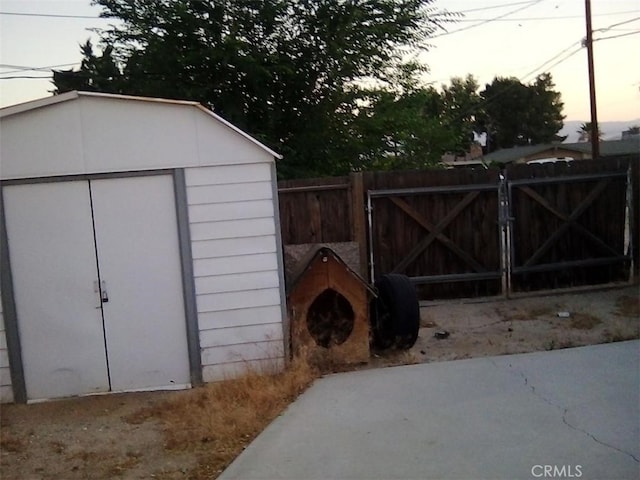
(450, 231)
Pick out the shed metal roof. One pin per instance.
(73, 95)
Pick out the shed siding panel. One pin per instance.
(243, 352)
(220, 337)
(235, 264)
(226, 174)
(234, 246)
(231, 211)
(237, 282)
(215, 373)
(235, 192)
(6, 391)
(6, 394)
(232, 229)
(238, 318)
(216, 302)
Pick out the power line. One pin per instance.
(544, 64)
(529, 4)
(523, 78)
(52, 15)
(20, 68)
(29, 77)
(567, 57)
(617, 36)
(490, 100)
(617, 24)
(59, 15)
(528, 19)
(493, 7)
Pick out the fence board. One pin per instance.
(311, 213)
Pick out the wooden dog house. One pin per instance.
(328, 309)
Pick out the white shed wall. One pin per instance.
(6, 391)
(235, 257)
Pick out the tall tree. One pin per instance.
(288, 71)
(462, 107)
(515, 114)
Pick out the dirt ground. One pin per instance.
(104, 437)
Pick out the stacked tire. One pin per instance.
(395, 313)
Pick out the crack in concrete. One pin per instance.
(565, 411)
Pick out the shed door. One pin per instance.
(97, 281)
(53, 263)
(139, 263)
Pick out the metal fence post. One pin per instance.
(503, 225)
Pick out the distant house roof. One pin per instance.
(524, 154)
(520, 154)
(628, 146)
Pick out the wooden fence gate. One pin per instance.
(450, 234)
(569, 225)
(475, 232)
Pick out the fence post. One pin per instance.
(359, 228)
(628, 225)
(504, 212)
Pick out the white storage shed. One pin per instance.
(139, 247)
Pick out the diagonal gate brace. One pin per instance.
(435, 232)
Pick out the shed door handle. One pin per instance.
(103, 292)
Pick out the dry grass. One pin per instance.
(132, 459)
(217, 421)
(555, 344)
(532, 313)
(584, 321)
(618, 335)
(627, 306)
(10, 443)
(57, 446)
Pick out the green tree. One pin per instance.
(288, 71)
(585, 132)
(97, 73)
(515, 114)
(461, 107)
(401, 131)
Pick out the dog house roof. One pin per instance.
(322, 251)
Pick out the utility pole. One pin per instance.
(595, 140)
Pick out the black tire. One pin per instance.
(382, 335)
(395, 313)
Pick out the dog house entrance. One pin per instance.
(330, 319)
